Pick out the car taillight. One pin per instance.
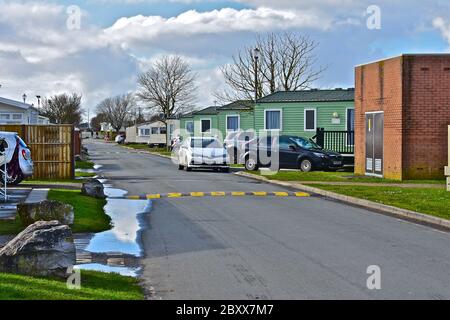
(24, 154)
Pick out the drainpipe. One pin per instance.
(447, 169)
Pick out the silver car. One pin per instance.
(17, 156)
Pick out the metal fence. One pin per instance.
(52, 149)
(339, 141)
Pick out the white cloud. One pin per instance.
(443, 26)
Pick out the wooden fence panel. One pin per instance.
(52, 149)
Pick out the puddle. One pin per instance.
(127, 220)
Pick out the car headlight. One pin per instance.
(320, 155)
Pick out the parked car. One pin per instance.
(17, 157)
(293, 153)
(120, 138)
(202, 152)
(235, 142)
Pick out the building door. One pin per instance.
(374, 143)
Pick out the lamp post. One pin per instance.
(256, 56)
(39, 101)
(24, 97)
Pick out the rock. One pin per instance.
(93, 188)
(47, 210)
(78, 158)
(45, 248)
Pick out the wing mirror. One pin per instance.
(292, 147)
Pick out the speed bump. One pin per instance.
(197, 194)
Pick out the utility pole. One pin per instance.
(256, 54)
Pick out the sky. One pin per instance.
(98, 47)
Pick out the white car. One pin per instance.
(17, 157)
(203, 152)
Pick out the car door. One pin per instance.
(288, 153)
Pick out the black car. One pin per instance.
(293, 153)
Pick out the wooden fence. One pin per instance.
(52, 149)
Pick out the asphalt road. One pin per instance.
(268, 247)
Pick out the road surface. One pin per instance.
(270, 247)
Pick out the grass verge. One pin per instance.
(338, 176)
(89, 213)
(84, 164)
(140, 146)
(94, 286)
(435, 202)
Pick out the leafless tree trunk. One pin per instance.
(117, 110)
(168, 86)
(287, 62)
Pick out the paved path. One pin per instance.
(270, 247)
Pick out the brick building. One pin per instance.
(402, 110)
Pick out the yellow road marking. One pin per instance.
(260, 193)
(153, 196)
(197, 194)
(133, 197)
(302, 194)
(218, 194)
(281, 194)
(237, 193)
(174, 195)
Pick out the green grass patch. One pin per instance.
(84, 164)
(432, 201)
(137, 146)
(79, 174)
(89, 213)
(339, 176)
(50, 181)
(94, 286)
(141, 146)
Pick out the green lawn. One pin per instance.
(79, 174)
(140, 146)
(84, 164)
(431, 201)
(340, 176)
(50, 181)
(89, 213)
(94, 286)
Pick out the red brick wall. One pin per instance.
(378, 87)
(426, 112)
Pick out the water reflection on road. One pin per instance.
(123, 238)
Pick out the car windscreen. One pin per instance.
(21, 142)
(306, 144)
(205, 143)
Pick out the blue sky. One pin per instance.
(118, 39)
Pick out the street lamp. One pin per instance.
(39, 101)
(24, 97)
(256, 56)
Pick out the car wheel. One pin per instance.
(186, 167)
(250, 164)
(306, 165)
(12, 180)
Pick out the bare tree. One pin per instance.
(168, 86)
(117, 110)
(287, 62)
(63, 109)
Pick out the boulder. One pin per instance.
(93, 188)
(47, 210)
(45, 248)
